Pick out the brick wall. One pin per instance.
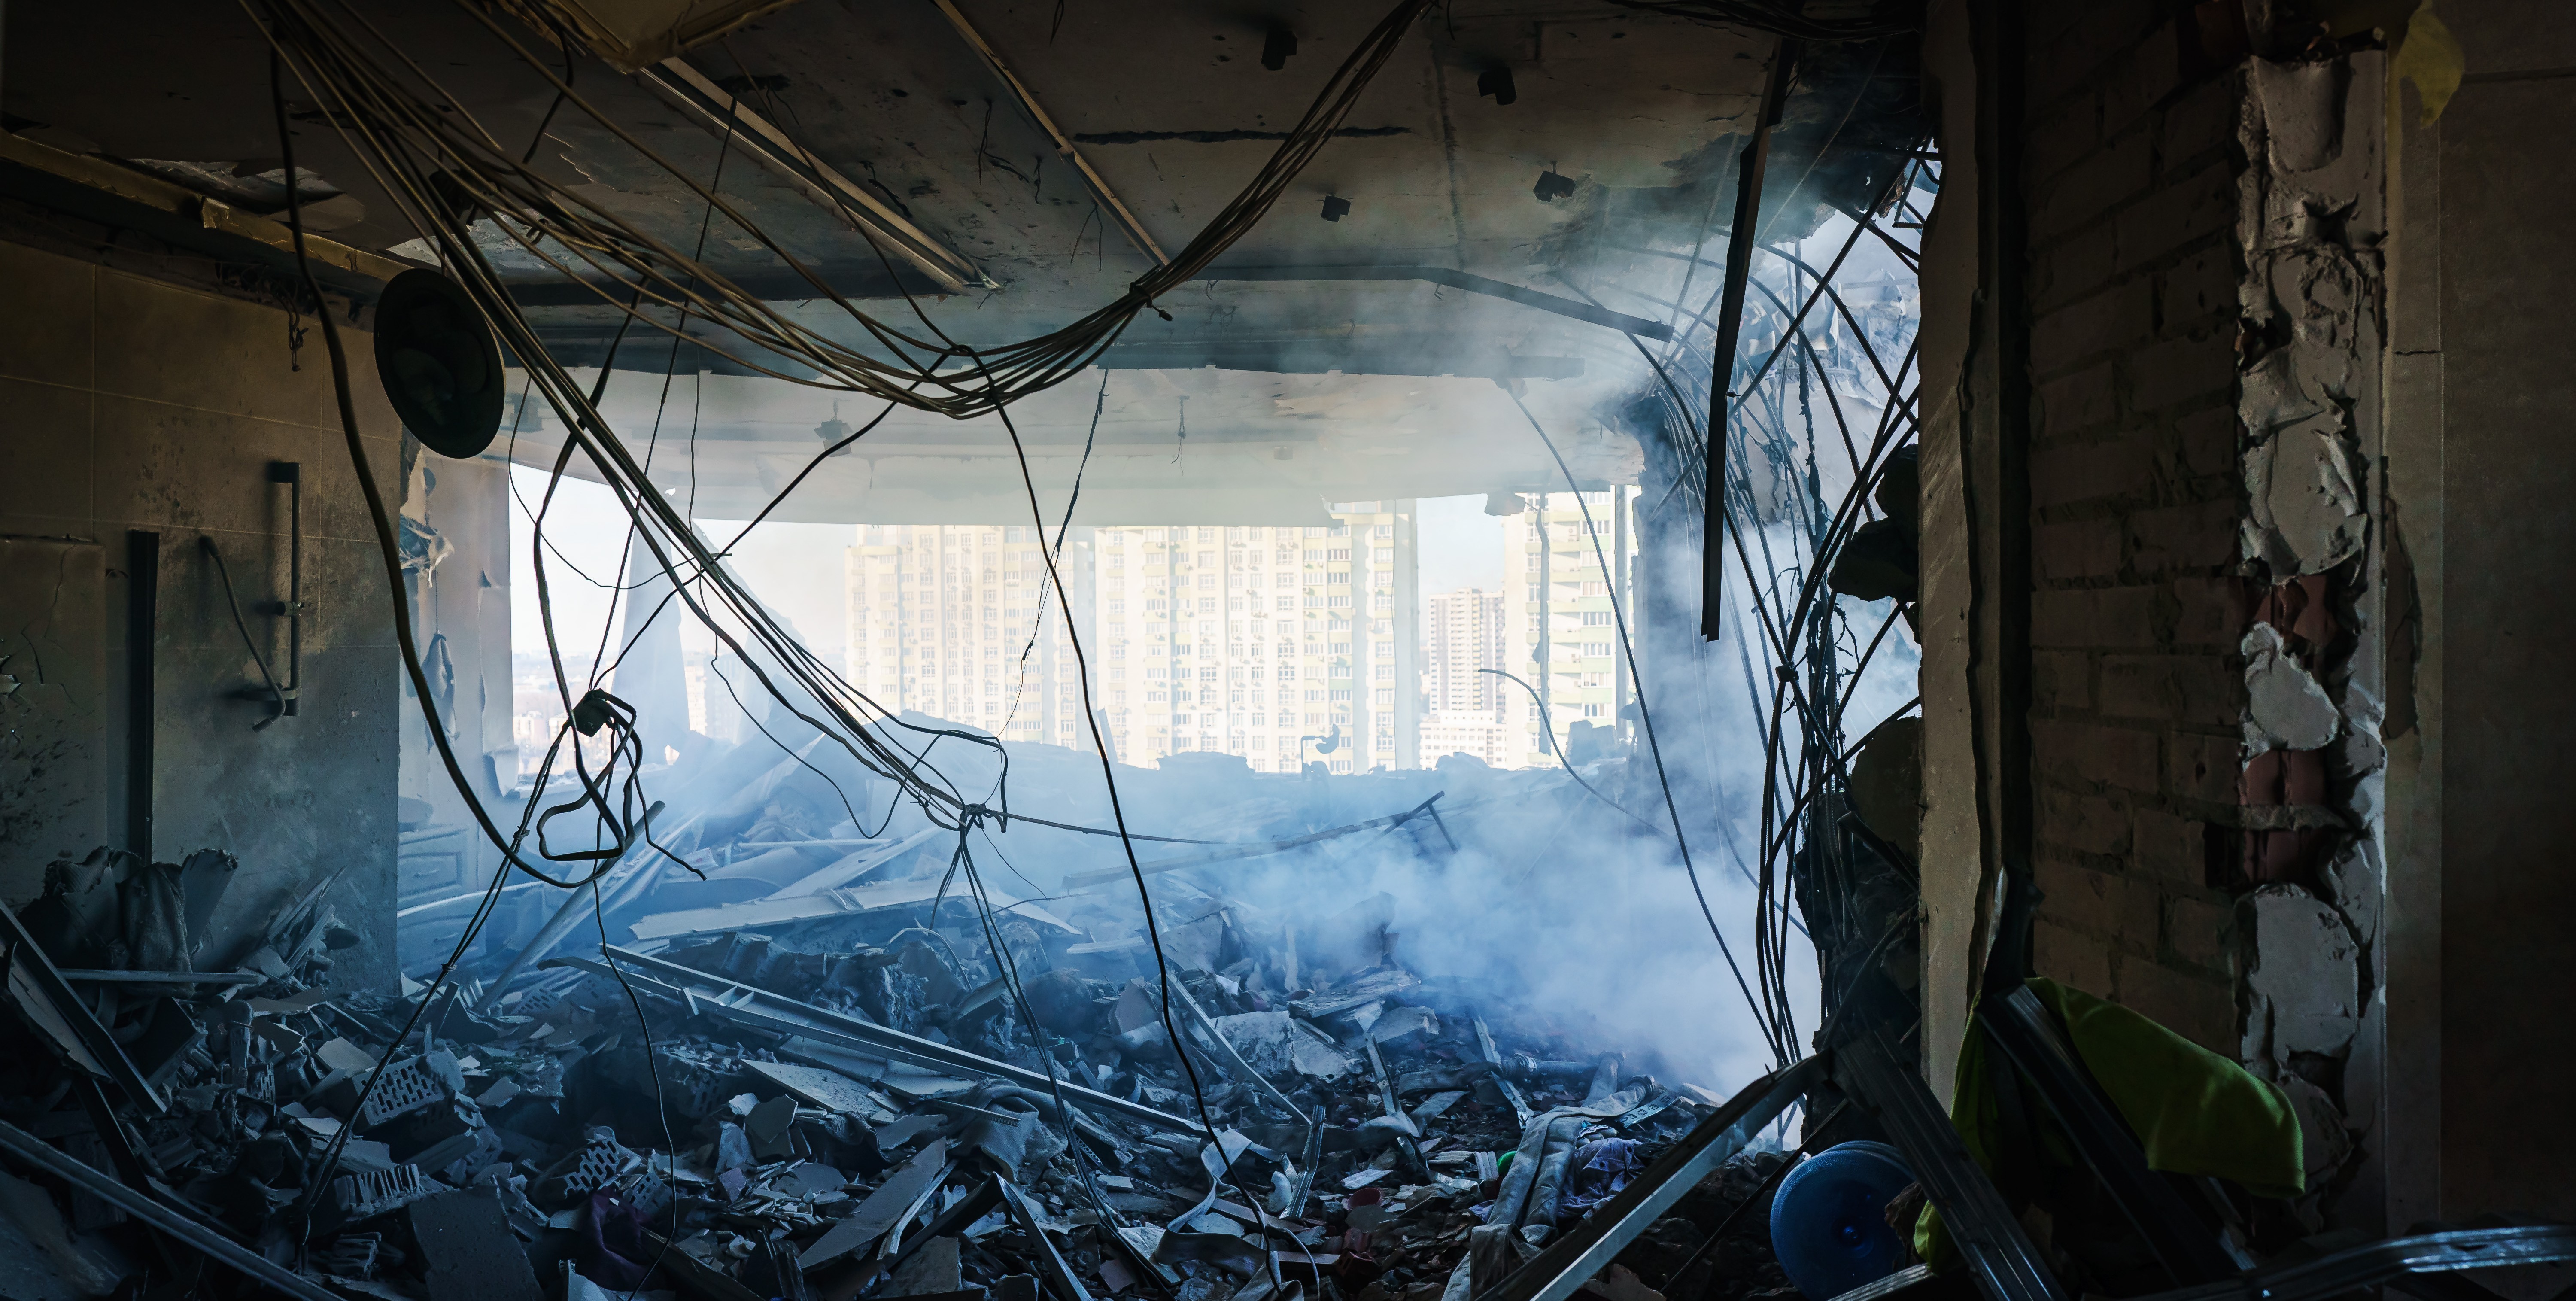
(2204, 729)
(2132, 168)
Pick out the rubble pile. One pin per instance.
(984, 1112)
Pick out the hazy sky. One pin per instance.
(1462, 546)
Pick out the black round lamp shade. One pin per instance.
(438, 363)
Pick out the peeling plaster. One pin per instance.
(2306, 506)
(2307, 223)
(2285, 709)
(2309, 228)
(2353, 883)
(2324, 1141)
(2303, 981)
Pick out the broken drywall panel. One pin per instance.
(2285, 708)
(2303, 976)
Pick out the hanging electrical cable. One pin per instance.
(446, 169)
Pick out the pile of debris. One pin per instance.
(731, 1118)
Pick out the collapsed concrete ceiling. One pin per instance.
(1320, 360)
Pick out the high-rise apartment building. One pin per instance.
(1262, 641)
(958, 622)
(1463, 637)
(1255, 641)
(1562, 636)
(1462, 640)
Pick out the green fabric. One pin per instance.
(2195, 1112)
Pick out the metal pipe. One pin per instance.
(1730, 323)
(291, 474)
(142, 621)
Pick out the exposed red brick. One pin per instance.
(2284, 857)
(2283, 777)
(2302, 611)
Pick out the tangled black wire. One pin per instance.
(446, 171)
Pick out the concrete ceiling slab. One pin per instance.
(1297, 391)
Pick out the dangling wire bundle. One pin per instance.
(446, 170)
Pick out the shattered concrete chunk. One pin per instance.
(1275, 1043)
